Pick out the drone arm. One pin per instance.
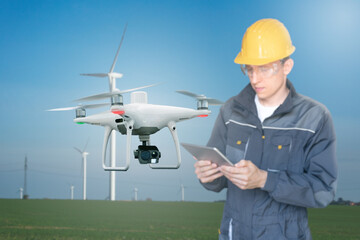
(108, 130)
(172, 128)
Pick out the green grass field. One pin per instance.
(66, 219)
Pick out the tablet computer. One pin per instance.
(207, 153)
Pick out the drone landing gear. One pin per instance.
(129, 127)
(172, 128)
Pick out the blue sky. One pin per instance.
(190, 45)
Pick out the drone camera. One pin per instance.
(147, 154)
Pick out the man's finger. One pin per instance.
(231, 170)
(208, 172)
(211, 178)
(242, 163)
(201, 163)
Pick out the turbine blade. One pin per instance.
(94, 74)
(117, 53)
(78, 150)
(86, 144)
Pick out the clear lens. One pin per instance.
(264, 71)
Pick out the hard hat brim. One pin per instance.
(240, 59)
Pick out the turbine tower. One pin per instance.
(72, 192)
(83, 155)
(25, 196)
(135, 194)
(182, 193)
(21, 193)
(112, 76)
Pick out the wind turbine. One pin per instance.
(83, 154)
(72, 192)
(112, 76)
(182, 192)
(21, 193)
(25, 195)
(135, 194)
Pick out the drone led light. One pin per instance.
(119, 112)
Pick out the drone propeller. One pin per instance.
(80, 109)
(87, 106)
(201, 98)
(113, 93)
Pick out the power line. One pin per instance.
(54, 173)
(12, 170)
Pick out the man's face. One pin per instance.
(269, 81)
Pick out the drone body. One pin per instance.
(142, 119)
(147, 118)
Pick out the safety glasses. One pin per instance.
(263, 71)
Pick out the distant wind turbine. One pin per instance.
(25, 195)
(72, 192)
(83, 154)
(182, 193)
(21, 193)
(135, 194)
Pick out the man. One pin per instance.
(282, 145)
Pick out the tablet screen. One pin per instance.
(207, 153)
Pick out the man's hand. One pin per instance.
(207, 171)
(245, 175)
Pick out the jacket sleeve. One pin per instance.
(218, 140)
(316, 186)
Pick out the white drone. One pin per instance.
(138, 118)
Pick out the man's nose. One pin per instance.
(254, 77)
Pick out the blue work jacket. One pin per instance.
(296, 146)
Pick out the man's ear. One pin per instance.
(288, 65)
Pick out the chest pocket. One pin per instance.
(237, 144)
(279, 152)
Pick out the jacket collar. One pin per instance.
(245, 100)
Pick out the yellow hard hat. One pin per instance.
(266, 41)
